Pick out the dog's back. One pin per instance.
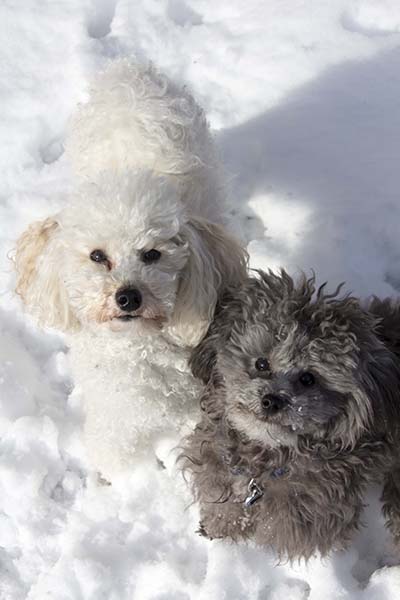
(137, 118)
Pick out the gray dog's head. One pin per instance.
(288, 360)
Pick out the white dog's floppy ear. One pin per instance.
(38, 282)
(216, 260)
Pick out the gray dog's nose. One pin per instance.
(128, 299)
(272, 403)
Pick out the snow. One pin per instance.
(304, 100)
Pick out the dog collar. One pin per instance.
(254, 489)
(254, 493)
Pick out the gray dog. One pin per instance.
(301, 411)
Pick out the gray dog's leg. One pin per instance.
(225, 520)
(391, 503)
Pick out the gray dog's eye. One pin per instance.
(151, 256)
(307, 379)
(261, 364)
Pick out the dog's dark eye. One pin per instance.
(261, 364)
(307, 379)
(151, 256)
(98, 256)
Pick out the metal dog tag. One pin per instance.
(255, 493)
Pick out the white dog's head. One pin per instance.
(125, 254)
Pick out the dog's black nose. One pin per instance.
(128, 299)
(272, 403)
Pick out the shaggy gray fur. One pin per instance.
(311, 449)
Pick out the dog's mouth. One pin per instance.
(283, 421)
(146, 315)
(127, 317)
(150, 320)
(267, 431)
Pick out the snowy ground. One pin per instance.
(305, 100)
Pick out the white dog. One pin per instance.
(131, 269)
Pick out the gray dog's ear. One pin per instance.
(375, 329)
(384, 362)
(381, 378)
(204, 357)
(387, 313)
(228, 312)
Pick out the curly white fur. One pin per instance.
(136, 390)
(160, 196)
(136, 118)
